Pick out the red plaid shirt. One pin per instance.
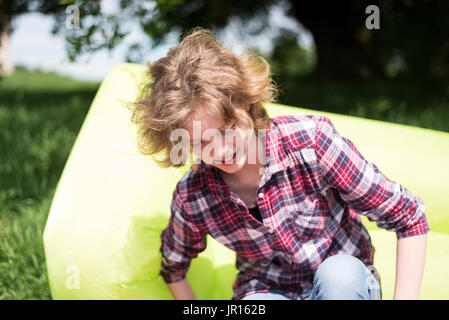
(315, 185)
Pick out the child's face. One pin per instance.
(226, 150)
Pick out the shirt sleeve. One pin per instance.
(363, 186)
(181, 241)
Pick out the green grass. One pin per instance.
(41, 114)
(420, 104)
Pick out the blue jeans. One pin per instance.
(339, 277)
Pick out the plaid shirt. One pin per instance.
(315, 185)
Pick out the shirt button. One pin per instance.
(270, 230)
(260, 195)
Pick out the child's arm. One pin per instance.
(181, 290)
(181, 241)
(366, 190)
(411, 254)
(363, 187)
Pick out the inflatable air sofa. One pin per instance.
(111, 203)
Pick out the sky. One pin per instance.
(33, 45)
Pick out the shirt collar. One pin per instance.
(278, 158)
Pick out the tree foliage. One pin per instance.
(413, 39)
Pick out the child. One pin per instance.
(291, 215)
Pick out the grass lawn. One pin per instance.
(421, 104)
(41, 114)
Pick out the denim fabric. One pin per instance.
(339, 277)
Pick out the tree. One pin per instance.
(9, 9)
(412, 41)
(413, 33)
(416, 33)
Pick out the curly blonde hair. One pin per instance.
(200, 71)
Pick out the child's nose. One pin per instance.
(224, 153)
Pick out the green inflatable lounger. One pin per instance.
(102, 234)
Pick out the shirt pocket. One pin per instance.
(309, 219)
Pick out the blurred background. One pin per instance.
(389, 63)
